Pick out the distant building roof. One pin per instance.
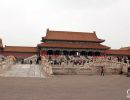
(1, 44)
(72, 36)
(125, 48)
(19, 54)
(20, 49)
(118, 52)
(73, 45)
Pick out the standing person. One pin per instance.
(102, 71)
(30, 62)
(22, 62)
(37, 61)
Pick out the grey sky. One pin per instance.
(24, 22)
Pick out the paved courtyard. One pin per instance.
(65, 87)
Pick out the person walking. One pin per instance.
(102, 71)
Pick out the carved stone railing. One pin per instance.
(31, 58)
(110, 67)
(91, 66)
(113, 66)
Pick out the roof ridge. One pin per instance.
(72, 32)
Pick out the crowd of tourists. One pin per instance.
(81, 60)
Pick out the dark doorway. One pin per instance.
(83, 53)
(90, 53)
(97, 53)
(57, 52)
(50, 52)
(65, 53)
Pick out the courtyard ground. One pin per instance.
(65, 87)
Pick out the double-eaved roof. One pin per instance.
(72, 36)
(72, 40)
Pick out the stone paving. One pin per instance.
(23, 70)
(65, 87)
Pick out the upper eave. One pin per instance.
(71, 36)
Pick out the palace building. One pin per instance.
(19, 51)
(117, 52)
(66, 52)
(65, 43)
(72, 43)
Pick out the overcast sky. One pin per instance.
(24, 22)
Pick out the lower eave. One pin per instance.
(73, 46)
(96, 41)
